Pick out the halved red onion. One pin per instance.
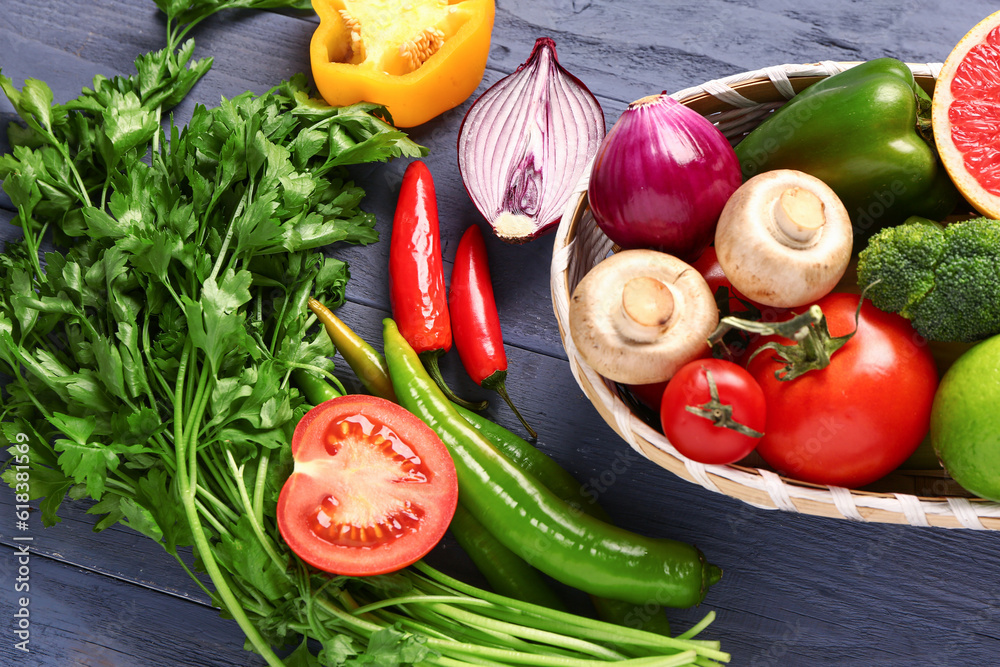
(661, 178)
(525, 143)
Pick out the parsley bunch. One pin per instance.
(150, 355)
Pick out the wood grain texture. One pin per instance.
(797, 590)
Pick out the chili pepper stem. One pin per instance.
(497, 382)
(430, 360)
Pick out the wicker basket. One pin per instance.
(737, 104)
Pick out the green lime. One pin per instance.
(965, 420)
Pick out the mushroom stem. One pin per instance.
(647, 308)
(799, 214)
(639, 315)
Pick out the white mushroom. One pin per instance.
(640, 315)
(784, 238)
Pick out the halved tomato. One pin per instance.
(373, 488)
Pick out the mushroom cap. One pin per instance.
(764, 262)
(638, 348)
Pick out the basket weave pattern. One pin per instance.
(736, 105)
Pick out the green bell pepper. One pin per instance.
(865, 132)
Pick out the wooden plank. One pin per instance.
(78, 617)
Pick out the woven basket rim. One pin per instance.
(725, 101)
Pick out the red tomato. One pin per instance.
(373, 489)
(859, 418)
(712, 438)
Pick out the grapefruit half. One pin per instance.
(965, 115)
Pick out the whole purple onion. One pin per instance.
(661, 177)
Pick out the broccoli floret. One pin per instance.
(945, 279)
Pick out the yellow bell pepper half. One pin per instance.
(419, 58)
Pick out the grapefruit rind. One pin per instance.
(951, 155)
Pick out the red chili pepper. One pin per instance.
(416, 277)
(475, 319)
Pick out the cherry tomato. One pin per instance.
(373, 488)
(649, 395)
(710, 269)
(730, 417)
(733, 302)
(859, 418)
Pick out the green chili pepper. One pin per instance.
(366, 363)
(507, 573)
(865, 132)
(315, 388)
(533, 522)
(537, 463)
(548, 471)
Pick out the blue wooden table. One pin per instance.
(797, 590)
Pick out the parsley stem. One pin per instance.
(695, 629)
(474, 634)
(147, 353)
(191, 574)
(571, 623)
(187, 484)
(177, 299)
(418, 626)
(223, 509)
(260, 484)
(348, 619)
(215, 523)
(445, 661)
(230, 230)
(222, 481)
(156, 135)
(258, 529)
(191, 428)
(33, 242)
(182, 367)
(410, 599)
(529, 633)
(120, 486)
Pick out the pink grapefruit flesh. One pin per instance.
(966, 115)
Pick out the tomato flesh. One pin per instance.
(373, 488)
